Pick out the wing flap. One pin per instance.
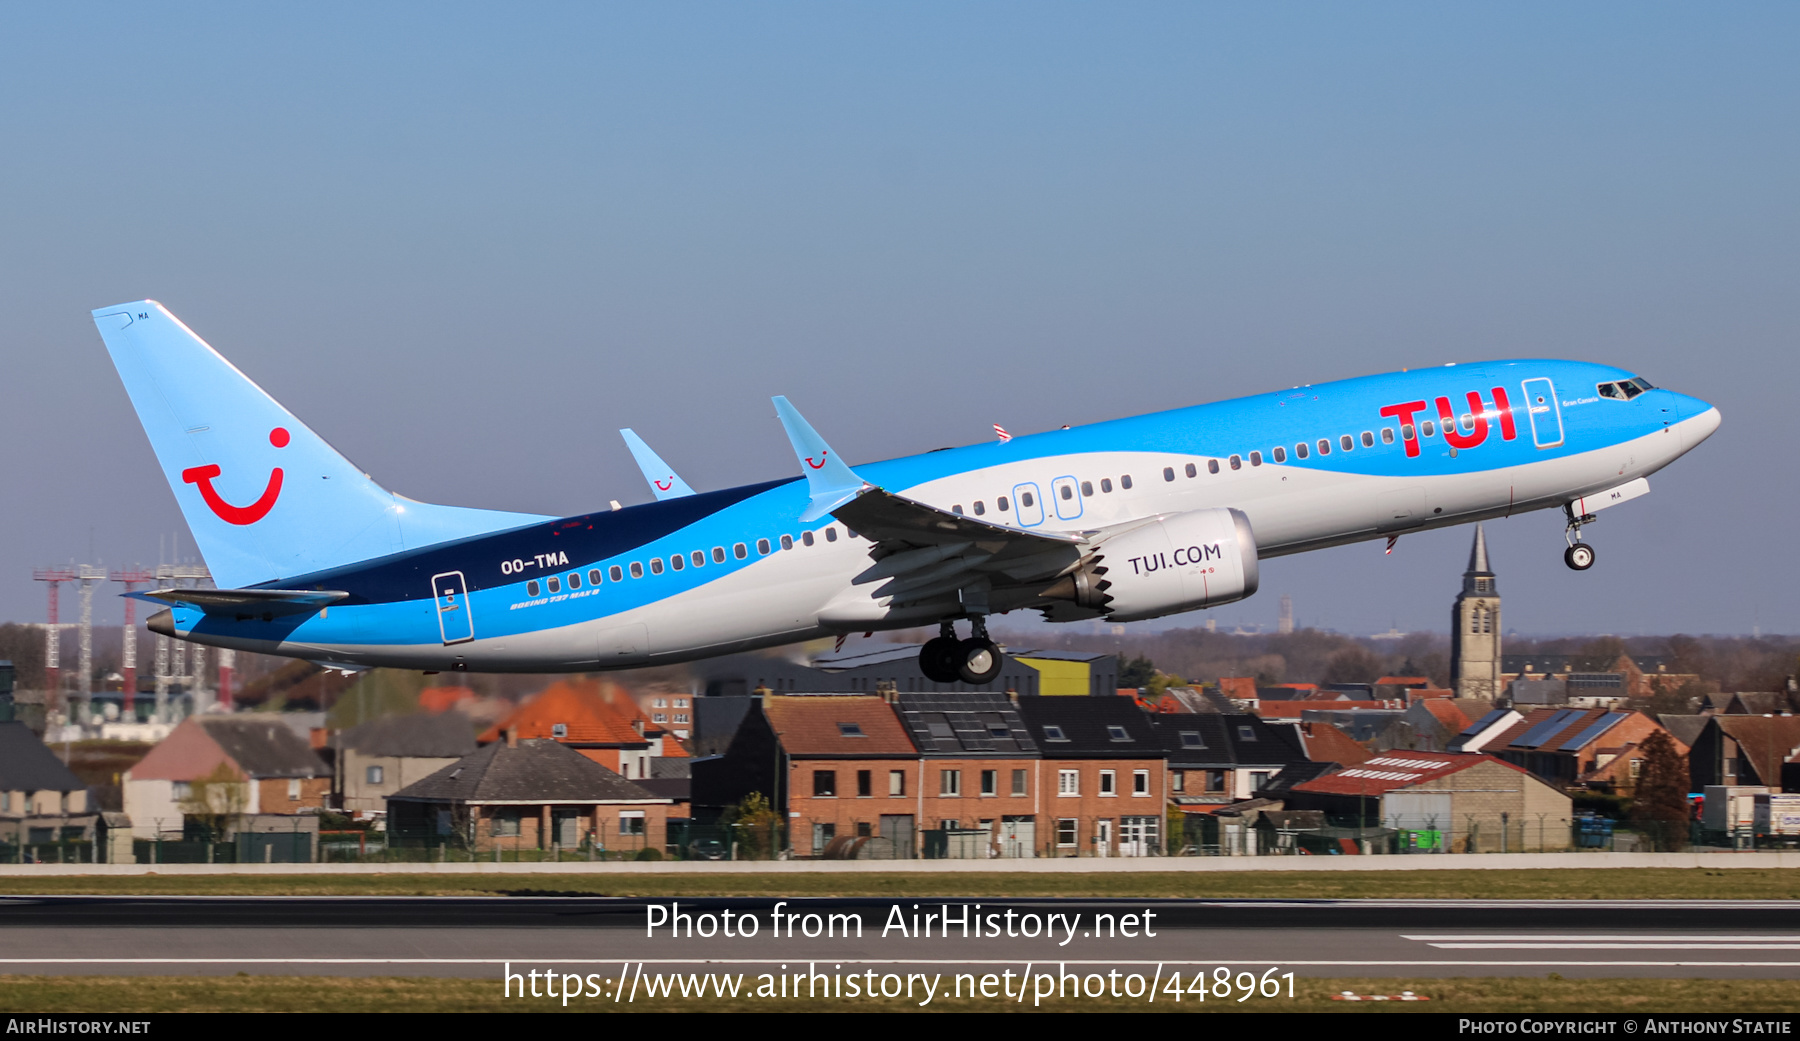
(240, 601)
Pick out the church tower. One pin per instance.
(1475, 629)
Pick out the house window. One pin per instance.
(1066, 831)
(505, 823)
(1259, 779)
(631, 822)
(1215, 780)
(1245, 733)
(559, 730)
(1018, 782)
(1192, 739)
(659, 717)
(824, 783)
(1054, 733)
(990, 782)
(1178, 781)
(865, 783)
(1637, 767)
(896, 782)
(375, 774)
(950, 782)
(822, 836)
(1140, 782)
(1068, 782)
(1109, 782)
(681, 717)
(1117, 734)
(851, 730)
(293, 789)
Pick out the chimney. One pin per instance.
(638, 725)
(512, 737)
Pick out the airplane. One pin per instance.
(1123, 520)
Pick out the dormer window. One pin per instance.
(851, 730)
(559, 730)
(1245, 733)
(1054, 733)
(1117, 734)
(1191, 739)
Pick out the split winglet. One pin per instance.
(663, 481)
(828, 480)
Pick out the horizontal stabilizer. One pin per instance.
(245, 601)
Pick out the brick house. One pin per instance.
(1442, 802)
(851, 772)
(1746, 750)
(378, 758)
(1104, 775)
(979, 772)
(1214, 759)
(598, 719)
(531, 794)
(1573, 747)
(249, 764)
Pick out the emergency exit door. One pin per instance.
(451, 595)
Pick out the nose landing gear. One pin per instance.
(945, 659)
(1579, 556)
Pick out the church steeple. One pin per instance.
(1475, 628)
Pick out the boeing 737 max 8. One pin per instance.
(1128, 519)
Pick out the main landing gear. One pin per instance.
(947, 659)
(1579, 556)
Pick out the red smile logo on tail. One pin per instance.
(202, 476)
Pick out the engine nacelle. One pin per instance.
(1177, 563)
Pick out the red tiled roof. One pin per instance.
(1396, 769)
(440, 699)
(1242, 688)
(594, 713)
(816, 724)
(1327, 743)
(1403, 681)
(1449, 715)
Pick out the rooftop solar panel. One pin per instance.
(1592, 731)
(1537, 735)
(1484, 722)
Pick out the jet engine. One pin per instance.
(1174, 563)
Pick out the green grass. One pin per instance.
(1561, 883)
(241, 993)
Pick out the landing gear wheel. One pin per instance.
(941, 659)
(1579, 557)
(978, 660)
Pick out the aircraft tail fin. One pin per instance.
(664, 482)
(264, 496)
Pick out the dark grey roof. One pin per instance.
(958, 724)
(1362, 724)
(1222, 743)
(679, 789)
(537, 770)
(1685, 729)
(446, 735)
(1295, 773)
(26, 765)
(263, 746)
(665, 767)
(1086, 726)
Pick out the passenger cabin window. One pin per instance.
(719, 554)
(1300, 450)
(677, 561)
(1255, 458)
(980, 508)
(1236, 463)
(1387, 435)
(1324, 447)
(594, 577)
(1346, 442)
(1168, 473)
(806, 537)
(1066, 492)
(1124, 482)
(1406, 431)
(656, 565)
(957, 509)
(555, 586)
(740, 551)
(787, 542)
(699, 558)
(637, 570)
(1212, 466)
(531, 588)
(574, 580)
(1026, 500)
(1087, 488)
(1280, 454)
(762, 547)
(1368, 439)
(830, 534)
(1430, 427)
(1192, 471)
(1002, 503)
(615, 573)
(1106, 484)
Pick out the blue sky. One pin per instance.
(467, 243)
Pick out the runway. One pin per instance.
(477, 937)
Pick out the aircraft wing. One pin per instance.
(663, 481)
(245, 601)
(922, 551)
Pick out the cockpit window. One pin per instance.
(1625, 390)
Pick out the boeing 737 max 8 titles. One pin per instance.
(1128, 519)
